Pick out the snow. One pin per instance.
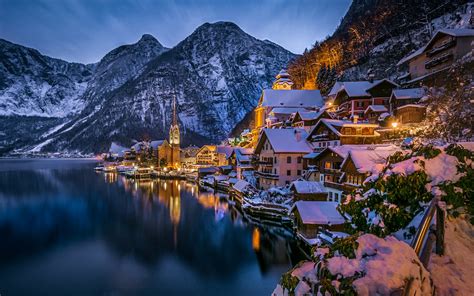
(319, 212)
(292, 98)
(155, 144)
(285, 140)
(376, 108)
(287, 110)
(305, 187)
(411, 105)
(311, 155)
(117, 149)
(370, 161)
(357, 88)
(227, 150)
(453, 273)
(408, 93)
(38, 147)
(241, 185)
(387, 264)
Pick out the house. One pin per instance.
(360, 164)
(373, 112)
(279, 154)
(213, 155)
(406, 96)
(333, 132)
(241, 160)
(188, 156)
(353, 97)
(442, 50)
(277, 104)
(308, 190)
(308, 119)
(310, 216)
(325, 167)
(410, 113)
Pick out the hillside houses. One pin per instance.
(427, 64)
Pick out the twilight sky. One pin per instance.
(85, 30)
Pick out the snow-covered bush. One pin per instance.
(365, 265)
(389, 201)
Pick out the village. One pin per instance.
(305, 153)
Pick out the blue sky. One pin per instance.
(85, 30)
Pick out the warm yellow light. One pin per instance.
(330, 104)
(152, 167)
(394, 124)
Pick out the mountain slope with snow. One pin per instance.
(216, 73)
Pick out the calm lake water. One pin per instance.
(67, 230)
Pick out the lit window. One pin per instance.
(327, 165)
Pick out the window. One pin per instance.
(288, 159)
(275, 160)
(299, 159)
(275, 171)
(335, 143)
(327, 165)
(288, 172)
(287, 182)
(298, 172)
(321, 178)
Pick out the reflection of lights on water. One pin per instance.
(256, 239)
(165, 185)
(192, 190)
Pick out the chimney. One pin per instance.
(355, 118)
(297, 135)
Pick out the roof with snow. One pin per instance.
(227, 150)
(335, 125)
(319, 212)
(376, 108)
(287, 110)
(408, 93)
(335, 88)
(370, 160)
(285, 140)
(411, 106)
(357, 88)
(241, 185)
(291, 98)
(117, 149)
(307, 187)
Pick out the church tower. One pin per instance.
(283, 81)
(175, 139)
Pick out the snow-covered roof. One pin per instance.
(287, 110)
(311, 155)
(411, 55)
(343, 150)
(310, 115)
(376, 108)
(117, 149)
(286, 140)
(306, 187)
(319, 212)
(335, 125)
(370, 161)
(357, 88)
(335, 88)
(227, 150)
(241, 185)
(243, 154)
(408, 93)
(411, 106)
(207, 170)
(292, 98)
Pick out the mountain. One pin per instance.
(39, 95)
(217, 74)
(32, 84)
(373, 36)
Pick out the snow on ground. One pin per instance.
(385, 264)
(453, 273)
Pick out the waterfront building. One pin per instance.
(279, 154)
(277, 104)
(175, 140)
(241, 160)
(213, 155)
(310, 216)
(308, 190)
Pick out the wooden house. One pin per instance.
(308, 190)
(353, 97)
(428, 63)
(308, 119)
(310, 216)
(332, 132)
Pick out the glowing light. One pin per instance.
(329, 104)
(256, 239)
(394, 124)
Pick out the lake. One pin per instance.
(68, 230)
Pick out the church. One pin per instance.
(276, 105)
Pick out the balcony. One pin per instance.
(441, 48)
(439, 60)
(267, 175)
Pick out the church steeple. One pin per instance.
(174, 128)
(283, 81)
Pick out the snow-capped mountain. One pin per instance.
(216, 74)
(32, 84)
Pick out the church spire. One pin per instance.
(175, 121)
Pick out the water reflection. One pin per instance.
(165, 232)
